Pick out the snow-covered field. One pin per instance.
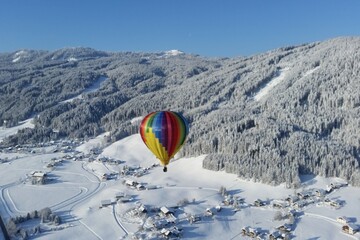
(75, 190)
(5, 132)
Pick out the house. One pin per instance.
(125, 199)
(279, 204)
(208, 212)
(38, 177)
(286, 228)
(105, 203)
(277, 235)
(228, 201)
(291, 199)
(119, 195)
(142, 209)
(335, 204)
(304, 195)
(320, 192)
(343, 220)
(174, 232)
(194, 218)
(259, 203)
(165, 232)
(299, 204)
(350, 228)
(336, 185)
(104, 177)
(130, 183)
(253, 233)
(165, 211)
(218, 208)
(140, 187)
(159, 224)
(245, 231)
(150, 187)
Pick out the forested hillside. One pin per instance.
(267, 117)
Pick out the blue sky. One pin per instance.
(222, 28)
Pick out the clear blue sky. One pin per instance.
(223, 28)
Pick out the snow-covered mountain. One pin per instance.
(267, 117)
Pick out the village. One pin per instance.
(171, 221)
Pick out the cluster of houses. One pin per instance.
(259, 234)
(139, 186)
(136, 171)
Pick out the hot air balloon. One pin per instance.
(164, 133)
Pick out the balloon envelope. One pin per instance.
(164, 133)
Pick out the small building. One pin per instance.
(343, 220)
(119, 195)
(38, 177)
(320, 192)
(292, 198)
(166, 211)
(194, 218)
(150, 187)
(125, 199)
(253, 233)
(130, 183)
(350, 228)
(299, 204)
(277, 235)
(105, 203)
(140, 187)
(279, 204)
(159, 224)
(259, 203)
(218, 208)
(228, 201)
(286, 228)
(335, 204)
(142, 208)
(245, 231)
(171, 232)
(165, 232)
(208, 212)
(304, 195)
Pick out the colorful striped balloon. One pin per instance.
(164, 133)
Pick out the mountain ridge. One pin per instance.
(307, 123)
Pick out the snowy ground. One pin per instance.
(275, 81)
(76, 191)
(263, 92)
(94, 87)
(5, 132)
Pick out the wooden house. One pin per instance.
(105, 203)
(292, 198)
(285, 228)
(245, 231)
(279, 204)
(38, 177)
(304, 195)
(343, 220)
(259, 203)
(166, 211)
(350, 228)
(119, 195)
(320, 192)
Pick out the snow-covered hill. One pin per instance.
(269, 117)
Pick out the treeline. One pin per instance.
(16, 231)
